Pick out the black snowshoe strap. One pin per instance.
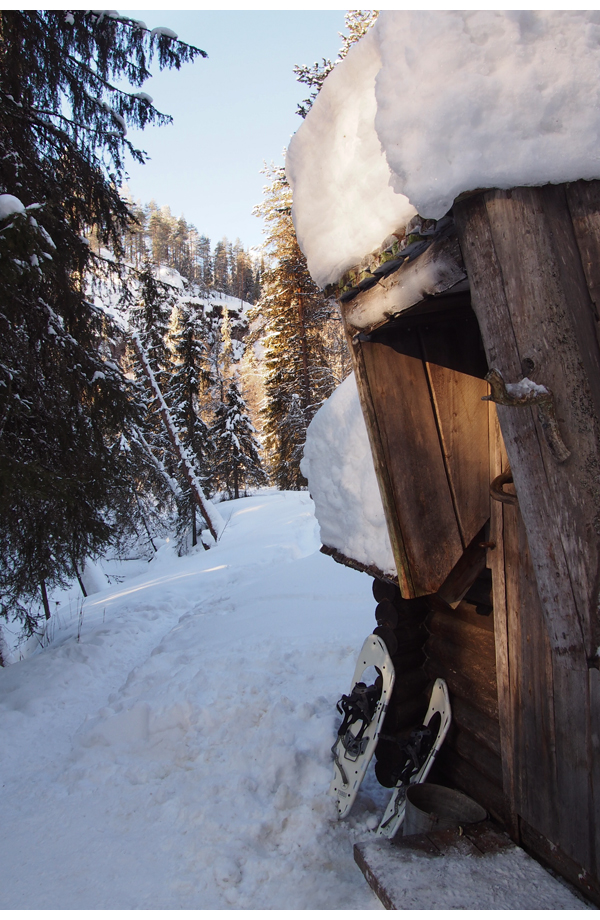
(359, 705)
(412, 754)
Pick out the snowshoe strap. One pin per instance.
(359, 704)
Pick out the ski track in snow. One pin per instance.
(178, 755)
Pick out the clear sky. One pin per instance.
(232, 111)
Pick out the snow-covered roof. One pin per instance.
(341, 477)
(430, 104)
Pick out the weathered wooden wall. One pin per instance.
(534, 271)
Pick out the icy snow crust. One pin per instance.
(341, 477)
(453, 101)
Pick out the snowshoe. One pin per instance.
(415, 758)
(363, 710)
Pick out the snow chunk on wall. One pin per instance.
(434, 103)
(339, 467)
(343, 205)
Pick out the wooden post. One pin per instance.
(532, 259)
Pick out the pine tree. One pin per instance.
(237, 453)
(63, 399)
(298, 377)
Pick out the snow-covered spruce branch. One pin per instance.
(209, 513)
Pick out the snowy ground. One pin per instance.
(177, 754)
(170, 748)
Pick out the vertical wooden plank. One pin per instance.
(463, 424)
(405, 582)
(505, 670)
(540, 802)
(594, 761)
(499, 239)
(414, 459)
(584, 204)
(530, 293)
(577, 821)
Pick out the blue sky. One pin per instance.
(231, 112)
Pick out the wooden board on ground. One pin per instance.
(472, 868)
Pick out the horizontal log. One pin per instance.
(406, 631)
(482, 697)
(389, 638)
(405, 716)
(386, 613)
(480, 726)
(479, 670)
(477, 754)
(408, 660)
(385, 590)
(463, 611)
(462, 633)
(456, 771)
(435, 271)
(407, 686)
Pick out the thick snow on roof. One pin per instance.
(433, 103)
(339, 467)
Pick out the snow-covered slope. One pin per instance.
(177, 755)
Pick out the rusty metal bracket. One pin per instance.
(528, 393)
(498, 493)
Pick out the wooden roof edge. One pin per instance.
(405, 244)
(372, 570)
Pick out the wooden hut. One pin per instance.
(476, 348)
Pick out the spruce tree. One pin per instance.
(293, 311)
(237, 463)
(63, 398)
(190, 376)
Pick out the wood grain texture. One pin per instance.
(463, 425)
(532, 260)
(464, 634)
(386, 489)
(438, 269)
(413, 458)
(528, 327)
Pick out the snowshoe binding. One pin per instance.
(363, 710)
(415, 758)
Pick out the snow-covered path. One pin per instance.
(177, 754)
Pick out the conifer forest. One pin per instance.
(144, 368)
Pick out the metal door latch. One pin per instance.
(528, 393)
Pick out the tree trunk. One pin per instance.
(45, 599)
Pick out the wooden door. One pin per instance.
(421, 385)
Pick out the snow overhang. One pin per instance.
(431, 104)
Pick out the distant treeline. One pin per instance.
(157, 235)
